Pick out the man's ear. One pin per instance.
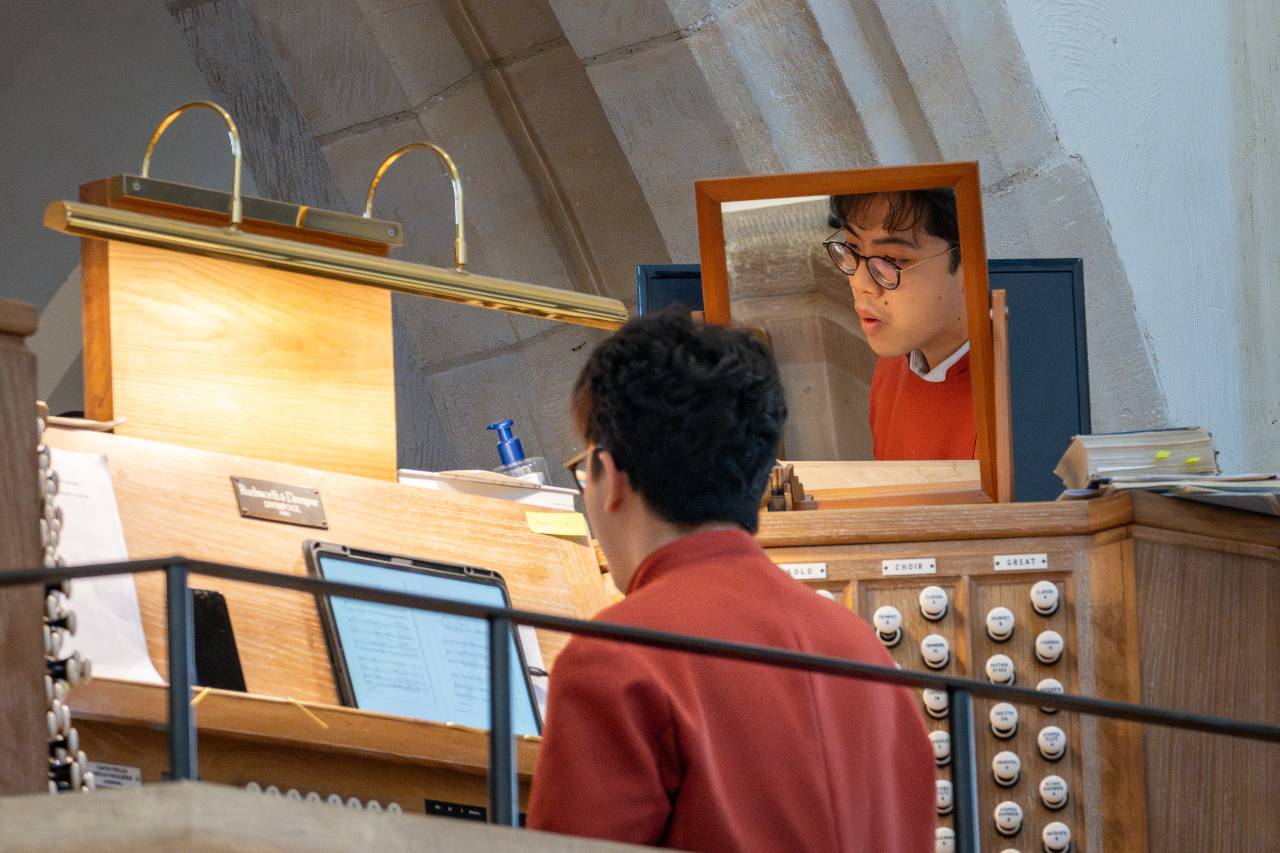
(617, 486)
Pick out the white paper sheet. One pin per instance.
(108, 621)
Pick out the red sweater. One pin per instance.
(915, 419)
(659, 747)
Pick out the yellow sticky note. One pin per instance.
(558, 523)
(1162, 454)
(1191, 460)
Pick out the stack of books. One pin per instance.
(1178, 462)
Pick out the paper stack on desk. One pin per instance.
(1177, 462)
(489, 484)
(1172, 453)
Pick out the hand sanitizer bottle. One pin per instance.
(514, 463)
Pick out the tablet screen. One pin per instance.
(416, 663)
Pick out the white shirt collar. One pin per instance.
(939, 373)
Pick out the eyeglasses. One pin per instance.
(577, 466)
(885, 272)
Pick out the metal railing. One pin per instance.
(501, 622)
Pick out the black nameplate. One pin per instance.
(462, 811)
(279, 502)
(443, 808)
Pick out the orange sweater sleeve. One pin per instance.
(607, 767)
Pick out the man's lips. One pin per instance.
(870, 321)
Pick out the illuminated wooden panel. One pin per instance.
(229, 357)
(179, 501)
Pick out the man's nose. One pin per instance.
(863, 282)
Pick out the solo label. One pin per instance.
(805, 571)
(918, 566)
(1021, 562)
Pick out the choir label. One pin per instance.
(916, 566)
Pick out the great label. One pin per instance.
(1020, 562)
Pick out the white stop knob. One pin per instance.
(1049, 647)
(1004, 720)
(1000, 669)
(944, 840)
(933, 603)
(935, 650)
(1006, 767)
(941, 741)
(1053, 792)
(942, 801)
(1044, 598)
(935, 702)
(1008, 817)
(1000, 624)
(1056, 837)
(1049, 685)
(1052, 742)
(888, 622)
(825, 593)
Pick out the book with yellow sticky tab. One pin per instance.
(1181, 452)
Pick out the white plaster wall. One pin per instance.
(1142, 91)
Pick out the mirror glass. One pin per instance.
(861, 297)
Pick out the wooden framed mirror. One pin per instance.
(877, 362)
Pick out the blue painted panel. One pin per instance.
(1048, 355)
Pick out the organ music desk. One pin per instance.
(1161, 601)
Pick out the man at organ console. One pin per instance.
(901, 252)
(681, 425)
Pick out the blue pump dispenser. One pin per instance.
(510, 450)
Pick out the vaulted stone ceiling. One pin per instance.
(579, 127)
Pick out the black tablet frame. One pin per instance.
(312, 550)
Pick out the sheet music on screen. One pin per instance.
(416, 663)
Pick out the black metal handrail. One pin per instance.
(501, 621)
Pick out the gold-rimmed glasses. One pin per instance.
(577, 466)
(884, 271)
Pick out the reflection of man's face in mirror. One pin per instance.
(909, 239)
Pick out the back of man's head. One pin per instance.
(692, 414)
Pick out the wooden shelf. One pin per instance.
(996, 521)
(251, 717)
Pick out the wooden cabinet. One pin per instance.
(22, 703)
(1161, 601)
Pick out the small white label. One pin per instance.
(918, 566)
(805, 571)
(115, 775)
(1021, 562)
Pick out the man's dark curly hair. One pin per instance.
(928, 211)
(693, 414)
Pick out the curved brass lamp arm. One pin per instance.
(460, 242)
(232, 131)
